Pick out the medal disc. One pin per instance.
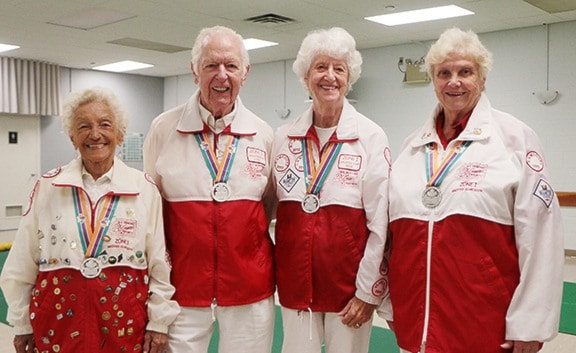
(220, 192)
(311, 203)
(431, 197)
(90, 268)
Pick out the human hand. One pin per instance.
(521, 346)
(155, 342)
(356, 313)
(24, 343)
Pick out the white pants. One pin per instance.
(306, 333)
(245, 328)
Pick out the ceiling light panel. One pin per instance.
(122, 66)
(253, 43)
(7, 47)
(422, 15)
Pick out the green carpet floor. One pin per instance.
(568, 313)
(3, 306)
(382, 340)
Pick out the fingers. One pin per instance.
(24, 343)
(155, 342)
(522, 347)
(147, 339)
(356, 313)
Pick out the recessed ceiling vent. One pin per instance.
(270, 18)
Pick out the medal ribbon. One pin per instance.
(315, 177)
(219, 170)
(92, 235)
(436, 173)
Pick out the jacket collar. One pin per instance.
(191, 122)
(346, 131)
(71, 176)
(478, 127)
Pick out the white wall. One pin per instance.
(519, 70)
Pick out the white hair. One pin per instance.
(204, 37)
(335, 42)
(457, 41)
(95, 94)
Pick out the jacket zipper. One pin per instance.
(214, 303)
(428, 276)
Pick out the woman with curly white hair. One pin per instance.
(331, 169)
(87, 270)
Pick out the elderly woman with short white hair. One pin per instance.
(331, 169)
(477, 254)
(87, 269)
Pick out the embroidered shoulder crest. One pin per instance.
(52, 173)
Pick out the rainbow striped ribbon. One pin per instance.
(436, 173)
(92, 235)
(315, 177)
(219, 170)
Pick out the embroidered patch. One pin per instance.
(295, 146)
(472, 171)
(52, 173)
(254, 170)
(123, 227)
(288, 181)
(281, 163)
(470, 176)
(544, 192)
(349, 162)
(380, 287)
(347, 177)
(256, 155)
(299, 163)
(534, 161)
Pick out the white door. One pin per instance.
(19, 165)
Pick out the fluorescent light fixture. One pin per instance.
(7, 47)
(122, 66)
(253, 43)
(422, 15)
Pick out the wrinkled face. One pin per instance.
(95, 133)
(457, 84)
(327, 79)
(220, 74)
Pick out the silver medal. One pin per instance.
(311, 203)
(90, 268)
(431, 197)
(220, 192)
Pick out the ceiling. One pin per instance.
(174, 24)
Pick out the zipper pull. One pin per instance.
(213, 308)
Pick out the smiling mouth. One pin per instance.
(329, 88)
(220, 89)
(455, 94)
(97, 146)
